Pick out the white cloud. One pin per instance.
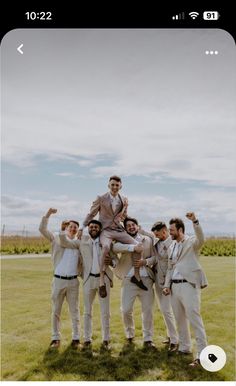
(216, 210)
(65, 174)
(178, 146)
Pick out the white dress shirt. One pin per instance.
(175, 254)
(115, 202)
(68, 265)
(96, 256)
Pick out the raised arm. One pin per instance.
(65, 241)
(199, 236)
(93, 211)
(43, 227)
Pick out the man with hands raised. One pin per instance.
(184, 280)
(67, 266)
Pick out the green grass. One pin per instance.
(26, 331)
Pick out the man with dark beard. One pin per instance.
(130, 292)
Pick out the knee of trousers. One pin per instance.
(127, 312)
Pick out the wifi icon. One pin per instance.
(193, 15)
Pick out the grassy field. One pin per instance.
(26, 331)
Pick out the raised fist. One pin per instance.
(191, 216)
(51, 211)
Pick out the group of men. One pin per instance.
(116, 243)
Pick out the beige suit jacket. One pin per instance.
(159, 262)
(187, 262)
(125, 262)
(107, 217)
(57, 249)
(86, 250)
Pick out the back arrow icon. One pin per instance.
(19, 49)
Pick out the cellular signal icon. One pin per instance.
(193, 15)
(180, 16)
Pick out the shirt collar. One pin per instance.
(112, 197)
(94, 241)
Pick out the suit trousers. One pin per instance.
(108, 235)
(90, 289)
(129, 292)
(68, 289)
(167, 312)
(185, 301)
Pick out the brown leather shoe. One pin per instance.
(173, 348)
(166, 341)
(184, 353)
(105, 346)
(55, 344)
(195, 363)
(102, 291)
(149, 345)
(139, 283)
(75, 343)
(87, 345)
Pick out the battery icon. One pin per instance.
(211, 15)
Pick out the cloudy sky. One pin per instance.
(148, 105)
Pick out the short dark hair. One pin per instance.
(76, 222)
(130, 219)
(158, 226)
(95, 222)
(178, 223)
(116, 178)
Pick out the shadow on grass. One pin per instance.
(131, 363)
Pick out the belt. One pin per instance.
(66, 277)
(179, 281)
(94, 274)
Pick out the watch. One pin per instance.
(196, 222)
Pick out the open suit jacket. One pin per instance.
(85, 247)
(159, 262)
(57, 248)
(107, 217)
(187, 262)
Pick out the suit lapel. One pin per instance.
(107, 202)
(90, 247)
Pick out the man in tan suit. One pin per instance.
(67, 267)
(112, 209)
(159, 264)
(90, 250)
(129, 292)
(184, 280)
